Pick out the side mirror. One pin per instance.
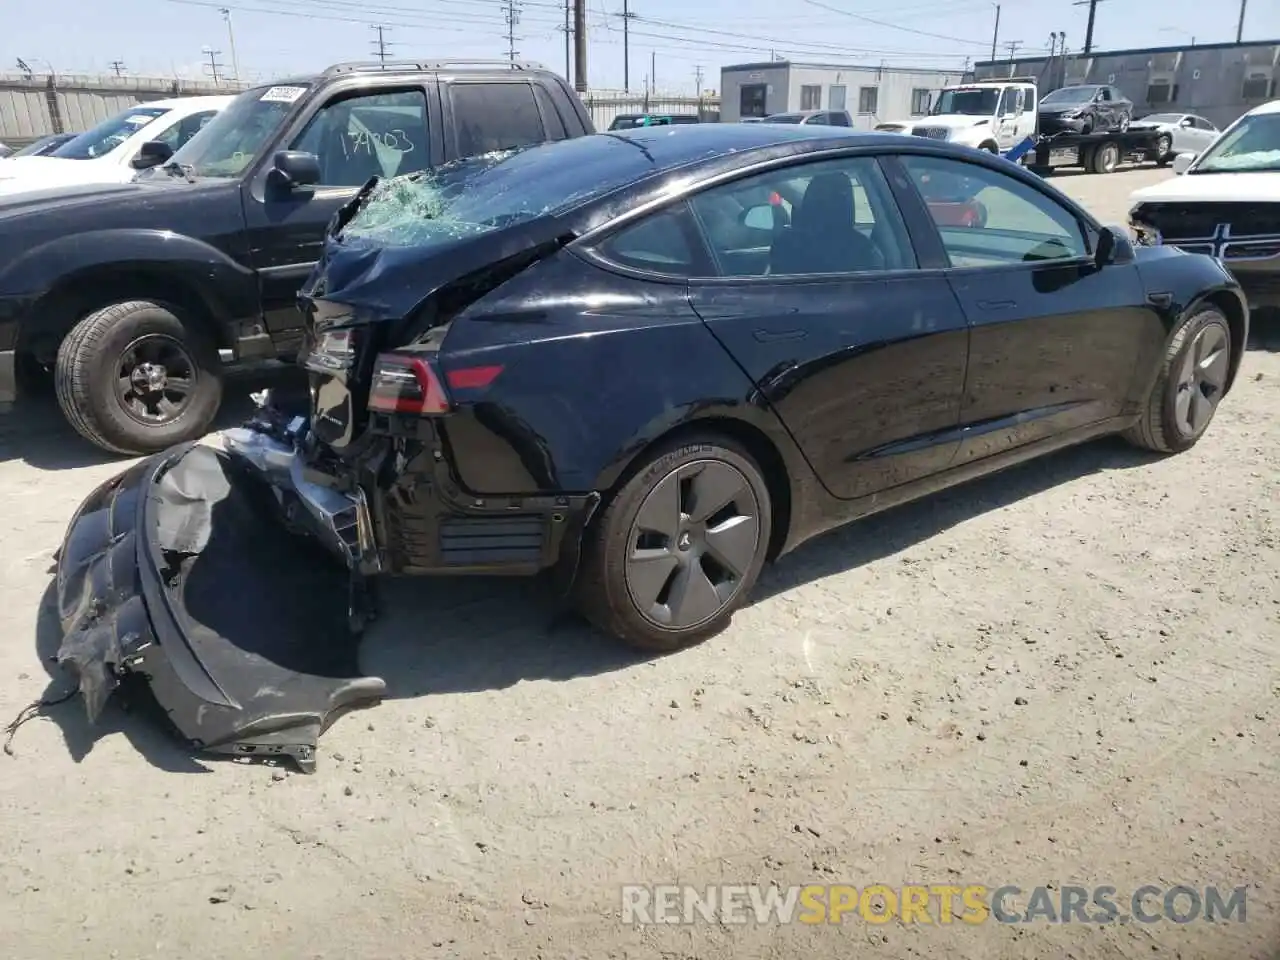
(1187, 122)
(151, 154)
(1182, 161)
(295, 168)
(1114, 246)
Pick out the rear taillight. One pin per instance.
(409, 384)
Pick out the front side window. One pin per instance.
(1251, 146)
(823, 217)
(495, 116)
(986, 218)
(109, 134)
(378, 135)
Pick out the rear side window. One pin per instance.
(495, 116)
(555, 122)
(657, 244)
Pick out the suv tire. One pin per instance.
(137, 377)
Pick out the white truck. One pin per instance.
(992, 115)
(997, 115)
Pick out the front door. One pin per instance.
(1055, 339)
(817, 295)
(356, 134)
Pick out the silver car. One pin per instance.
(1187, 132)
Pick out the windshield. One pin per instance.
(1161, 118)
(227, 144)
(480, 194)
(784, 118)
(971, 103)
(1071, 95)
(1251, 146)
(109, 134)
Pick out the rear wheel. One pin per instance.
(136, 377)
(1106, 157)
(1191, 383)
(679, 547)
(1164, 150)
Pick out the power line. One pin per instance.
(893, 26)
(380, 46)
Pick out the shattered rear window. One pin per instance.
(496, 190)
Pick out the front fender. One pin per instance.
(227, 287)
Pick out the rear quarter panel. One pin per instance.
(596, 366)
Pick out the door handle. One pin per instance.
(997, 304)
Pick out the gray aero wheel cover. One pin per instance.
(1202, 378)
(693, 541)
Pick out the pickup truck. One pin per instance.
(133, 297)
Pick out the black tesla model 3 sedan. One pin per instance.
(650, 360)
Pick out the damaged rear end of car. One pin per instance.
(196, 569)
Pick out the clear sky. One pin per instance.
(274, 37)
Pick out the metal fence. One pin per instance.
(604, 105)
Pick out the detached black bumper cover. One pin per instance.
(175, 572)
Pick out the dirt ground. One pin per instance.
(1064, 674)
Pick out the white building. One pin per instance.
(870, 94)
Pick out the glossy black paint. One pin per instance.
(230, 251)
(854, 392)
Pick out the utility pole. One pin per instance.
(580, 46)
(653, 71)
(1088, 30)
(214, 65)
(1239, 24)
(995, 34)
(380, 45)
(568, 39)
(231, 38)
(1013, 46)
(697, 83)
(627, 17)
(118, 67)
(512, 17)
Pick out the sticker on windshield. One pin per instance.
(282, 94)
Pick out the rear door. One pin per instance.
(819, 296)
(1055, 340)
(356, 132)
(483, 115)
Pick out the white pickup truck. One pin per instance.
(993, 115)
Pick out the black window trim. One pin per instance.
(1084, 224)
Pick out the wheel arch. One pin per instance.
(753, 439)
(1231, 306)
(82, 291)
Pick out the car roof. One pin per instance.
(1272, 106)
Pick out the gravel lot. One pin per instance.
(1064, 674)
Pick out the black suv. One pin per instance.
(135, 295)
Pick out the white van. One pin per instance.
(112, 151)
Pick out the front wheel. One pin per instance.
(1191, 383)
(136, 378)
(1164, 150)
(679, 547)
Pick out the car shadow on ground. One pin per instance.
(468, 634)
(35, 431)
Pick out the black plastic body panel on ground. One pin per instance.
(144, 580)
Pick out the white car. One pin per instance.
(112, 151)
(1225, 202)
(1186, 132)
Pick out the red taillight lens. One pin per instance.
(404, 384)
(472, 378)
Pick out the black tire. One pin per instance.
(1164, 150)
(1105, 158)
(991, 147)
(604, 591)
(98, 349)
(1086, 129)
(1161, 427)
